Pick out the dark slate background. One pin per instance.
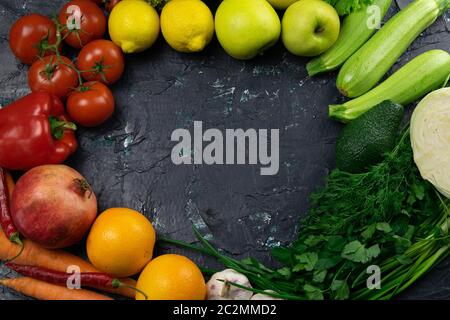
(128, 163)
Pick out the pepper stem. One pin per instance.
(15, 238)
(59, 126)
(116, 283)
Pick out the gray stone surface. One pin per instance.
(128, 160)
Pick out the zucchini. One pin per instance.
(423, 74)
(369, 64)
(354, 33)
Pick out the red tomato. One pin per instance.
(30, 35)
(105, 58)
(91, 22)
(110, 4)
(91, 104)
(53, 76)
(99, 2)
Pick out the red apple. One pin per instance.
(53, 205)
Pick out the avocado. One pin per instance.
(365, 140)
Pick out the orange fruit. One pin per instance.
(121, 242)
(171, 277)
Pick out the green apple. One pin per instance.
(246, 28)
(310, 27)
(281, 4)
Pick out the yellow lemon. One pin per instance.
(171, 277)
(187, 25)
(121, 242)
(281, 4)
(133, 25)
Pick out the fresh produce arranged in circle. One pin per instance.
(386, 203)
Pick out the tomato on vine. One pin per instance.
(53, 75)
(83, 21)
(91, 104)
(31, 36)
(101, 60)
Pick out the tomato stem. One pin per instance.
(85, 87)
(99, 67)
(55, 48)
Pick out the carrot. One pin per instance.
(57, 260)
(87, 279)
(44, 291)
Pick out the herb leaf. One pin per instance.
(312, 292)
(357, 252)
(306, 261)
(340, 289)
(344, 7)
(319, 276)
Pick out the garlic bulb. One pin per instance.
(220, 288)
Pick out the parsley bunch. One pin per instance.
(358, 220)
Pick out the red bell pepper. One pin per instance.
(34, 131)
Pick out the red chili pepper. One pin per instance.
(5, 214)
(87, 279)
(35, 130)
